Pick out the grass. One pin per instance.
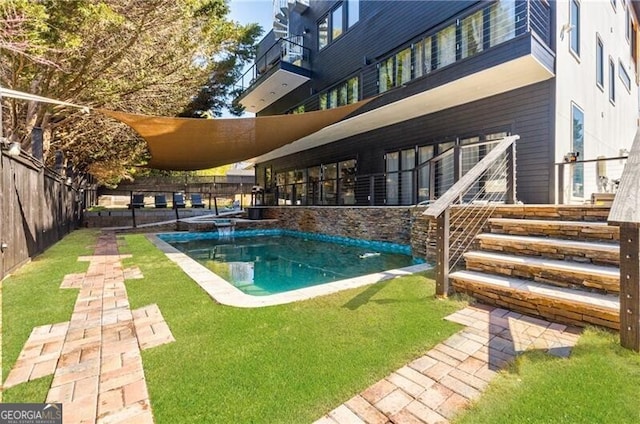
(31, 297)
(284, 364)
(597, 384)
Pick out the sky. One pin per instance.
(249, 11)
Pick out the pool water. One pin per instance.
(264, 265)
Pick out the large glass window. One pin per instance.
(599, 62)
(347, 182)
(329, 184)
(574, 44)
(424, 172)
(472, 34)
(353, 90)
(333, 99)
(385, 75)
(447, 46)
(392, 166)
(337, 23)
(422, 53)
(577, 146)
(323, 32)
(345, 93)
(408, 163)
(353, 12)
(313, 185)
(403, 66)
(502, 21)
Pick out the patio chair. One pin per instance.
(161, 201)
(196, 201)
(137, 201)
(178, 201)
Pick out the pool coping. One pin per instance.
(225, 293)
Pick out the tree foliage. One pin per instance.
(158, 57)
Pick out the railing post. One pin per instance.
(372, 190)
(630, 286)
(432, 181)
(511, 174)
(560, 187)
(442, 252)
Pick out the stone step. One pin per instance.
(559, 273)
(568, 306)
(574, 230)
(597, 253)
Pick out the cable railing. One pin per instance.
(593, 181)
(625, 213)
(490, 182)
(289, 50)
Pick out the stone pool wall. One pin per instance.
(392, 224)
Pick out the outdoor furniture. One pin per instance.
(137, 201)
(196, 201)
(160, 201)
(178, 201)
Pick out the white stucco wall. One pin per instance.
(608, 127)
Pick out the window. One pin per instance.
(385, 75)
(502, 21)
(612, 81)
(599, 62)
(332, 25)
(353, 12)
(472, 34)
(323, 33)
(336, 23)
(613, 3)
(577, 146)
(447, 46)
(422, 51)
(345, 93)
(298, 110)
(403, 66)
(574, 42)
(624, 76)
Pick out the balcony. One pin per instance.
(280, 70)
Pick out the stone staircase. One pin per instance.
(562, 267)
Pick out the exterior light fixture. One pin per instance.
(262, 100)
(284, 84)
(272, 93)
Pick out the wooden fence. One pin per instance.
(37, 208)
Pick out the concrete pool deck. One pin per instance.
(225, 293)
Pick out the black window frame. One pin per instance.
(574, 34)
(599, 62)
(612, 81)
(328, 17)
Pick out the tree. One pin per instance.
(151, 57)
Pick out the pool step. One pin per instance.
(551, 271)
(595, 252)
(568, 306)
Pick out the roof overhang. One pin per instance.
(273, 87)
(507, 76)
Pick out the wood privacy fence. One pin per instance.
(37, 208)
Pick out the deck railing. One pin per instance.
(477, 191)
(625, 213)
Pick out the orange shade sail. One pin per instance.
(188, 144)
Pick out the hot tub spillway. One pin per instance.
(225, 227)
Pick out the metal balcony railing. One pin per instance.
(288, 50)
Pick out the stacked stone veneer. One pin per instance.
(392, 224)
(423, 230)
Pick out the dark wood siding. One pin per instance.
(527, 112)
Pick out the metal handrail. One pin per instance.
(453, 194)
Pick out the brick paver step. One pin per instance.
(580, 230)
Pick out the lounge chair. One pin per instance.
(178, 200)
(137, 201)
(161, 201)
(196, 201)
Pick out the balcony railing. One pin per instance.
(284, 50)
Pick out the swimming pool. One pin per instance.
(280, 266)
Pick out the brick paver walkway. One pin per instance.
(436, 386)
(95, 357)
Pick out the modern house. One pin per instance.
(445, 80)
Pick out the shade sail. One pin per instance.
(187, 144)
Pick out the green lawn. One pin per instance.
(32, 297)
(293, 363)
(599, 383)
